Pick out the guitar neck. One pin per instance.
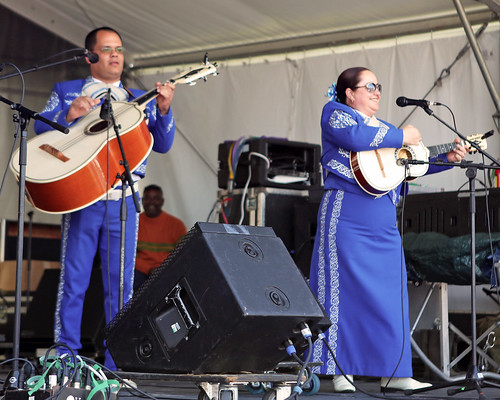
(145, 98)
(441, 148)
(189, 77)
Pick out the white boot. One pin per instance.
(402, 384)
(342, 385)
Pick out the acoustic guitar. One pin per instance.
(381, 170)
(66, 173)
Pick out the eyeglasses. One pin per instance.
(109, 50)
(371, 87)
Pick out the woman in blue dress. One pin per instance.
(358, 270)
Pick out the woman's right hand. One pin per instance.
(411, 135)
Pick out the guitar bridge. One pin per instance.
(54, 152)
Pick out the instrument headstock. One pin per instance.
(479, 140)
(190, 76)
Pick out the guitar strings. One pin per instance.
(81, 136)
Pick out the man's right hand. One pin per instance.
(80, 107)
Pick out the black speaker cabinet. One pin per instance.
(225, 300)
(291, 165)
(291, 213)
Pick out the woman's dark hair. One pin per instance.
(91, 38)
(348, 79)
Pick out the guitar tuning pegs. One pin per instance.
(487, 134)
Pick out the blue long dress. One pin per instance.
(358, 270)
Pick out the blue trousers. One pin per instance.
(84, 232)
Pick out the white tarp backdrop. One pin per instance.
(282, 96)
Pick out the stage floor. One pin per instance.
(166, 389)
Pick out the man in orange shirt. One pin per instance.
(159, 233)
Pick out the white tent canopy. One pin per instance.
(176, 32)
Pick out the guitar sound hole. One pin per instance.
(98, 127)
(404, 154)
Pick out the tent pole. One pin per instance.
(480, 60)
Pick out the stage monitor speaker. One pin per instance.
(225, 300)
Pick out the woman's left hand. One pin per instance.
(457, 154)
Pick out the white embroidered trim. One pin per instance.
(341, 119)
(341, 168)
(64, 243)
(333, 267)
(379, 137)
(344, 153)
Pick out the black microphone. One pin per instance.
(404, 101)
(105, 113)
(92, 57)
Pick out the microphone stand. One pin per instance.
(38, 68)
(30, 239)
(23, 118)
(107, 115)
(473, 379)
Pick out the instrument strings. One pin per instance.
(81, 136)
